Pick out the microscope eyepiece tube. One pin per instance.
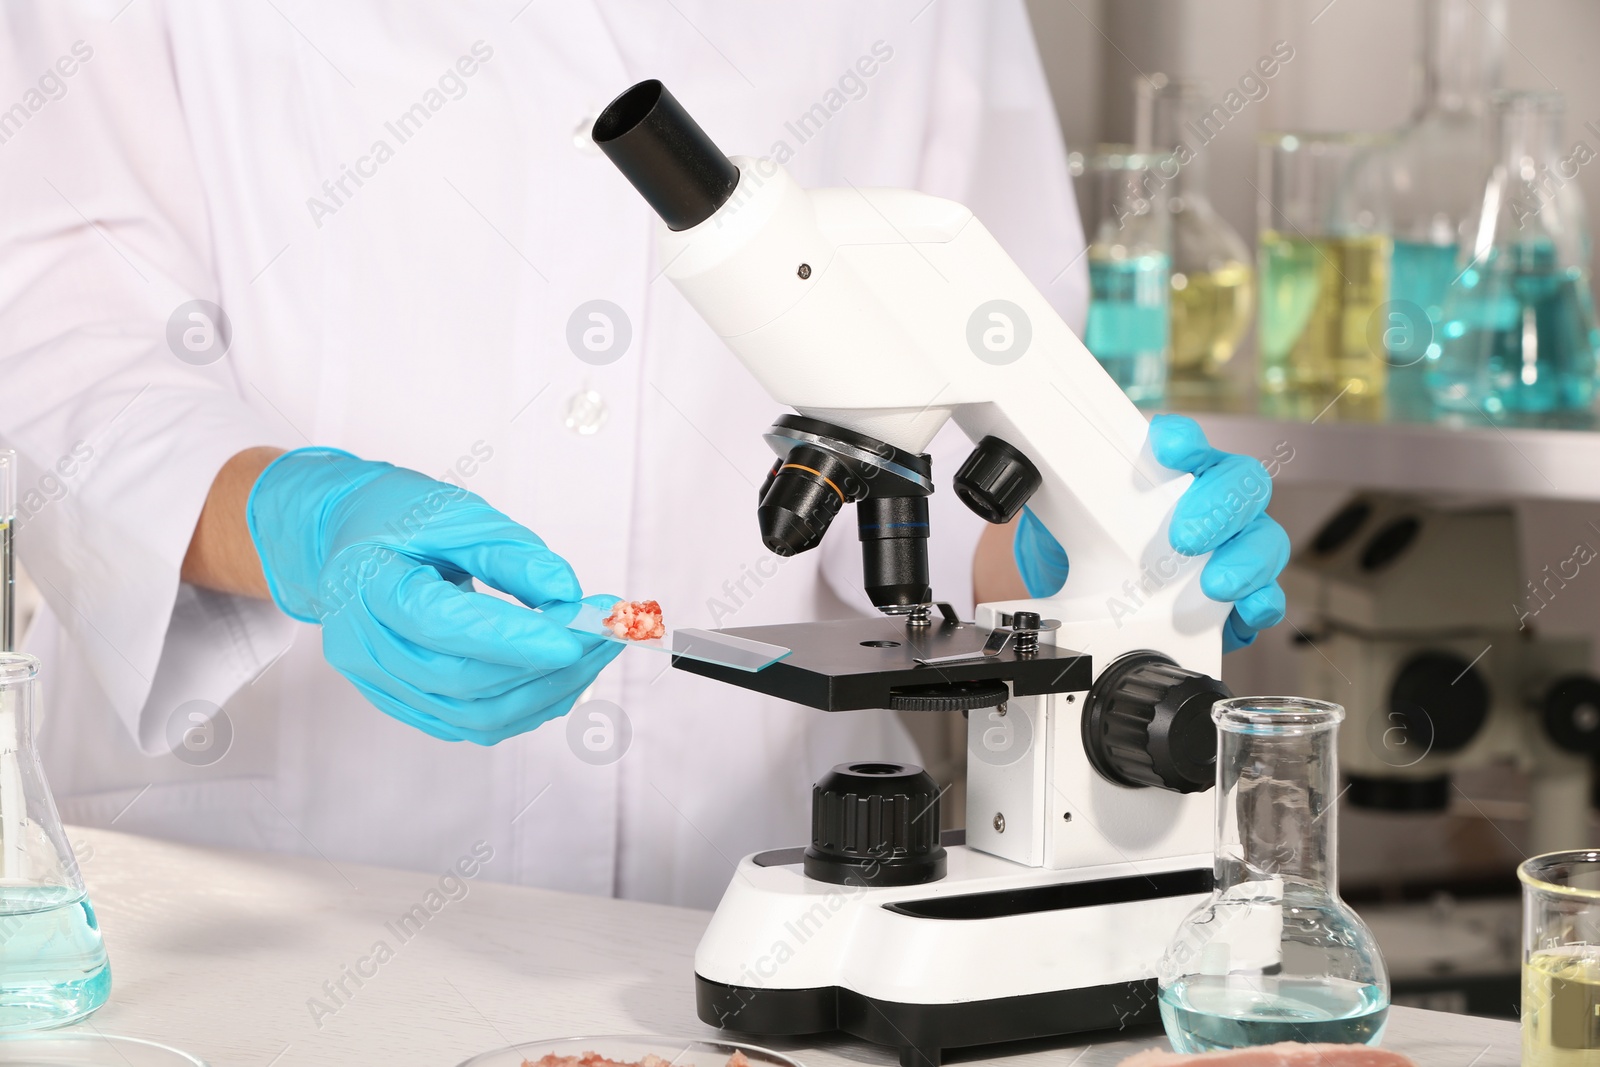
(666, 155)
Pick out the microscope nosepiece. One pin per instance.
(666, 155)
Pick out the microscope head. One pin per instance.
(821, 464)
(878, 316)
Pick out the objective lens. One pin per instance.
(802, 495)
(894, 550)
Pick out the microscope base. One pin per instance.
(993, 952)
(922, 1032)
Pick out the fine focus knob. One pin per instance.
(996, 480)
(875, 824)
(1571, 713)
(1149, 723)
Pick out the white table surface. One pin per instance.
(218, 953)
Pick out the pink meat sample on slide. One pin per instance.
(636, 620)
(1287, 1054)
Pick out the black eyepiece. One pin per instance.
(666, 155)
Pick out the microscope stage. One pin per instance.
(854, 664)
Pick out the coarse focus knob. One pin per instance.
(996, 480)
(1149, 723)
(875, 824)
(1438, 703)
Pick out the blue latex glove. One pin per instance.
(384, 559)
(1222, 512)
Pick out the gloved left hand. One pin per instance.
(1222, 512)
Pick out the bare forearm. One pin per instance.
(221, 554)
(994, 566)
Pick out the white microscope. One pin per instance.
(877, 315)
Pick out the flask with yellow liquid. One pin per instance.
(1561, 959)
(1324, 251)
(1212, 282)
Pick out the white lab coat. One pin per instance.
(419, 315)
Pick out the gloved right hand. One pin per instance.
(384, 559)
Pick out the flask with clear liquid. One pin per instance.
(1519, 339)
(1274, 954)
(1437, 168)
(1212, 280)
(53, 967)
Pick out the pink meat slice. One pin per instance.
(1287, 1054)
(594, 1059)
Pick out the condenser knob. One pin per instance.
(1571, 713)
(875, 824)
(1148, 723)
(996, 480)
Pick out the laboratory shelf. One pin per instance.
(1487, 461)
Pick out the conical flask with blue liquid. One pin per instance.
(53, 967)
(1518, 340)
(1437, 168)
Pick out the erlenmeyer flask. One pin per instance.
(53, 967)
(1274, 954)
(1437, 167)
(1213, 282)
(1519, 337)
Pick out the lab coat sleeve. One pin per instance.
(103, 237)
(993, 143)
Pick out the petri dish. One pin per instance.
(77, 1048)
(631, 1048)
(708, 646)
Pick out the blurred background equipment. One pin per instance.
(1407, 614)
(1438, 671)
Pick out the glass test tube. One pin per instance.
(8, 565)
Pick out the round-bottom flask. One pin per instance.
(1274, 954)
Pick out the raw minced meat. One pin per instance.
(1284, 1054)
(635, 620)
(594, 1059)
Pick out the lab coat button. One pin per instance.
(583, 135)
(586, 412)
